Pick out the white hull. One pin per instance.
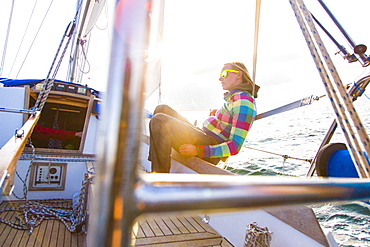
(233, 225)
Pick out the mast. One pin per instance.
(85, 23)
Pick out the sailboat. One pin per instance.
(92, 184)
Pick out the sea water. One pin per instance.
(298, 134)
(285, 141)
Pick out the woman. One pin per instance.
(223, 133)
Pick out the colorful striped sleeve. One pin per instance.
(236, 120)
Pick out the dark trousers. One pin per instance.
(169, 129)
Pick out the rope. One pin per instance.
(257, 236)
(25, 188)
(48, 83)
(80, 66)
(69, 30)
(341, 101)
(32, 213)
(44, 93)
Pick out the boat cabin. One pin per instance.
(68, 107)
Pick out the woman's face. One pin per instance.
(230, 79)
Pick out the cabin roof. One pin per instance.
(32, 82)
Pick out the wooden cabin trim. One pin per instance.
(11, 152)
(69, 99)
(26, 101)
(72, 101)
(35, 92)
(86, 125)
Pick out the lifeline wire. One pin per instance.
(282, 155)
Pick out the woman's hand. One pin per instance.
(188, 150)
(212, 112)
(79, 134)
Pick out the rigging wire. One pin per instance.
(24, 35)
(48, 83)
(6, 39)
(281, 155)
(33, 41)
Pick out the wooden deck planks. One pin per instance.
(160, 231)
(49, 233)
(175, 231)
(9, 232)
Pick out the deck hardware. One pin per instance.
(47, 176)
(206, 219)
(257, 236)
(19, 133)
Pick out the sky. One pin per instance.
(199, 37)
(285, 69)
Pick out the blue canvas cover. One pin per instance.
(31, 82)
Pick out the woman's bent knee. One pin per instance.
(162, 109)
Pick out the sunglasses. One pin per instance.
(224, 72)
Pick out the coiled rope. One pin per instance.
(257, 236)
(32, 213)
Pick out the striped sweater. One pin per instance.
(231, 124)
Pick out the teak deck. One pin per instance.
(175, 231)
(49, 233)
(149, 231)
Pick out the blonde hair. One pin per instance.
(246, 77)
